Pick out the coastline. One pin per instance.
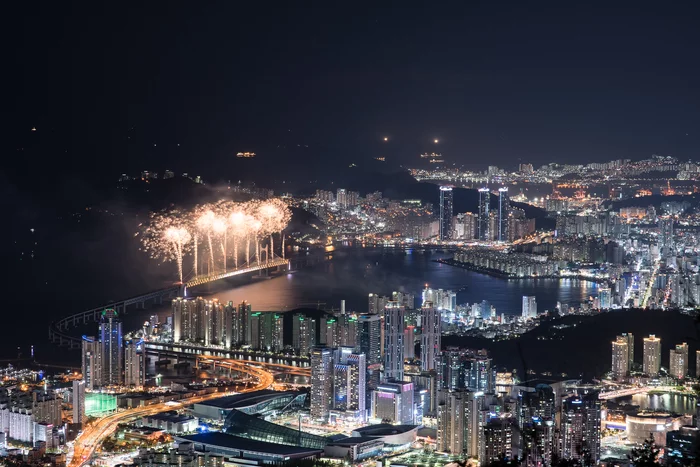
(510, 277)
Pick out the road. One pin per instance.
(93, 435)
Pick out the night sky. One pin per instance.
(495, 82)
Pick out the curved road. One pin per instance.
(93, 435)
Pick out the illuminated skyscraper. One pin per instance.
(652, 355)
(78, 401)
(393, 341)
(303, 333)
(484, 207)
(678, 361)
(111, 348)
(446, 212)
(503, 211)
(529, 307)
(620, 358)
(134, 364)
(92, 363)
(430, 336)
(349, 383)
(376, 303)
(321, 382)
(604, 297)
(666, 243)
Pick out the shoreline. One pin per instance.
(509, 277)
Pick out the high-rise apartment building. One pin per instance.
(430, 336)
(483, 232)
(303, 333)
(580, 428)
(376, 304)
(91, 363)
(393, 341)
(678, 361)
(111, 348)
(503, 212)
(620, 358)
(529, 307)
(329, 331)
(652, 355)
(134, 364)
(446, 212)
(321, 382)
(78, 397)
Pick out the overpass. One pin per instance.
(622, 393)
(60, 330)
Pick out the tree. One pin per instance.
(645, 456)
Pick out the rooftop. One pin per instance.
(245, 444)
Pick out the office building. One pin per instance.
(430, 336)
(392, 402)
(483, 232)
(393, 341)
(349, 384)
(321, 382)
(446, 212)
(303, 333)
(620, 358)
(652, 355)
(111, 348)
(678, 361)
(503, 212)
(78, 397)
(134, 364)
(529, 307)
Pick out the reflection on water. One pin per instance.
(665, 402)
(352, 275)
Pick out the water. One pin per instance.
(675, 403)
(352, 274)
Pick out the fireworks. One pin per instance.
(172, 235)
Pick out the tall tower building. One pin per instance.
(604, 298)
(666, 242)
(241, 328)
(134, 365)
(484, 209)
(409, 342)
(446, 212)
(529, 307)
(620, 358)
(91, 363)
(329, 331)
(431, 339)
(393, 341)
(349, 383)
(453, 421)
(503, 212)
(321, 382)
(652, 355)
(580, 428)
(111, 348)
(303, 333)
(376, 304)
(678, 361)
(79, 401)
